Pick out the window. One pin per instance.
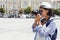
(25, 4)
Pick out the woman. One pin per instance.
(46, 29)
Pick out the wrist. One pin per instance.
(39, 23)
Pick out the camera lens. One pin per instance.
(40, 12)
(35, 12)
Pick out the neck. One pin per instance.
(47, 17)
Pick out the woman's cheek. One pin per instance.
(43, 14)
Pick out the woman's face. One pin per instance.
(44, 12)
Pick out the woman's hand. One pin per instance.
(35, 21)
(38, 19)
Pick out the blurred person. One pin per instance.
(44, 24)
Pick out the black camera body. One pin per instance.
(35, 12)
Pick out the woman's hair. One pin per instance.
(50, 12)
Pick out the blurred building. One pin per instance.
(56, 4)
(14, 5)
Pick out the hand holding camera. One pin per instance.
(37, 14)
(38, 19)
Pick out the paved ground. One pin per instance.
(19, 29)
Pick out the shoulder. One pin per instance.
(52, 21)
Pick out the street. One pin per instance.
(19, 29)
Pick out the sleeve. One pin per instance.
(36, 28)
(47, 30)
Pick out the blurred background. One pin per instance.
(16, 18)
(23, 8)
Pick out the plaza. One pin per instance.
(19, 29)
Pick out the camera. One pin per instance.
(35, 12)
